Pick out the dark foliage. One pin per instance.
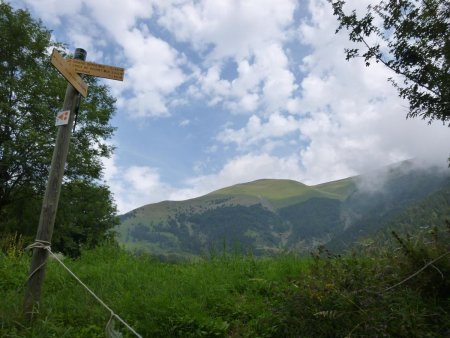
(413, 40)
(31, 93)
(401, 198)
(316, 217)
(228, 227)
(398, 292)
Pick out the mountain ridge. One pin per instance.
(266, 216)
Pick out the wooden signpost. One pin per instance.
(96, 69)
(68, 72)
(70, 69)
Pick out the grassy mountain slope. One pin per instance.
(270, 216)
(245, 216)
(282, 193)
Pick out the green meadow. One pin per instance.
(365, 293)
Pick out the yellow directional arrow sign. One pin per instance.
(96, 69)
(68, 72)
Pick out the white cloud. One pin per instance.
(250, 33)
(355, 121)
(134, 186)
(246, 168)
(265, 84)
(184, 123)
(153, 67)
(256, 131)
(118, 17)
(234, 28)
(53, 10)
(154, 70)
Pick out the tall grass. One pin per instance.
(210, 298)
(240, 296)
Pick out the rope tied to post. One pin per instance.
(41, 244)
(38, 244)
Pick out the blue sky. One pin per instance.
(219, 92)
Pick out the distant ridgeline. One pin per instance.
(271, 216)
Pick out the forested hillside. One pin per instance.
(272, 216)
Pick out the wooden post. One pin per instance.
(51, 198)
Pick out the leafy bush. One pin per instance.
(401, 292)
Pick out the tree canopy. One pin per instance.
(412, 38)
(31, 93)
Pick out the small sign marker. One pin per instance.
(62, 118)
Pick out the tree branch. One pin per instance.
(398, 71)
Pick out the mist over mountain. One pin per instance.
(270, 216)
